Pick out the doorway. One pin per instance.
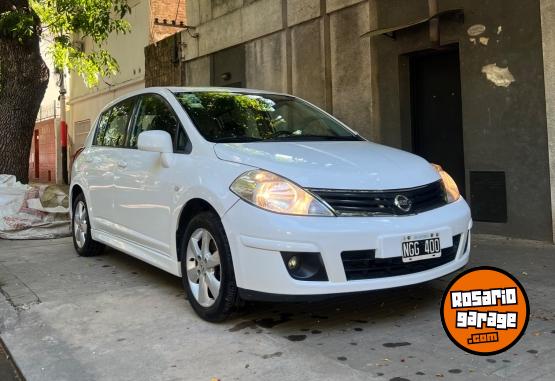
(436, 110)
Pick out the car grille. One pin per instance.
(364, 264)
(365, 202)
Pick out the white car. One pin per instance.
(253, 195)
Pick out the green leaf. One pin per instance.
(63, 20)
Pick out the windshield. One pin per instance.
(237, 117)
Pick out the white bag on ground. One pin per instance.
(23, 216)
(12, 194)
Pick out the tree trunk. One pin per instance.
(23, 81)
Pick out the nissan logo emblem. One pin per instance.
(403, 203)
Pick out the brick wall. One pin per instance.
(169, 10)
(163, 66)
(46, 153)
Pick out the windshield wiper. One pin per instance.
(237, 139)
(317, 137)
(250, 139)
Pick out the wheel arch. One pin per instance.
(75, 191)
(189, 210)
(77, 188)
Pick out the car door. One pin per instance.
(144, 188)
(101, 160)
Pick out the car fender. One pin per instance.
(211, 184)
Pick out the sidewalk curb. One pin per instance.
(7, 361)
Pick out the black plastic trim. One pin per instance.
(258, 296)
(363, 264)
(353, 203)
(311, 268)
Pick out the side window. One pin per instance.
(112, 125)
(101, 128)
(155, 114)
(116, 130)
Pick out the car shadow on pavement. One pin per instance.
(121, 263)
(358, 312)
(298, 321)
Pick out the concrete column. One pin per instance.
(287, 53)
(548, 38)
(326, 50)
(375, 117)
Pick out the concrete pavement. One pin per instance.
(113, 317)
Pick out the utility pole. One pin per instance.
(57, 142)
(63, 125)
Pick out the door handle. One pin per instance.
(122, 164)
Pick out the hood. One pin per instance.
(333, 165)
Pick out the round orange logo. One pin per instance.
(485, 311)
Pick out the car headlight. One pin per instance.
(276, 194)
(450, 186)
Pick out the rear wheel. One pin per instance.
(207, 268)
(81, 228)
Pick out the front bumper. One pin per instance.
(256, 238)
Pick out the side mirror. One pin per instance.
(157, 141)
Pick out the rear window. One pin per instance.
(112, 125)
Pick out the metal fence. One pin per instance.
(49, 111)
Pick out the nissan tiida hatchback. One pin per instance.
(260, 196)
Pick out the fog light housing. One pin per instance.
(305, 266)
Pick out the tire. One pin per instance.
(84, 245)
(201, 269)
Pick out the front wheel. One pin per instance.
(207, 268)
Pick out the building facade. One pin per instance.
(467, 84)
(45, 160)
(43, 157)
(151, 21)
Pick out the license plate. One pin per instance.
(420, 248)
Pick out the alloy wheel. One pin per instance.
(203, 267)
(80, 224)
